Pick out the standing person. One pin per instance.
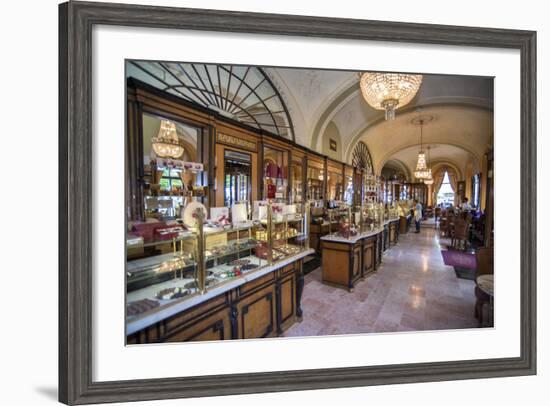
(417, 215)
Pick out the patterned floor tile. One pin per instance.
(413, 290)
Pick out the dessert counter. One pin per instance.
(262, 302)
(348, 260)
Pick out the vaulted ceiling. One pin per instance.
(461, 109)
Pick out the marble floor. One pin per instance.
(413, 290)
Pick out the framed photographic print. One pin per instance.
(258, 202)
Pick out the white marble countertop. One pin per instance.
(160, 313)
(354, 239)
(351, 240)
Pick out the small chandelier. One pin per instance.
(167, 144)
(429, 180)
(422, 172)
(389, 91)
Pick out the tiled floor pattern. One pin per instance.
(412, 290)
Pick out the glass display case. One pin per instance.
(275, 174)
(297, 174)
(348, 186)
(164, 271)
(315, 184)
(286, 231)
(335, 186)
(171, 262)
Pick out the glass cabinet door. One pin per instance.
(335, 186)
(238, 178)
(297, 174)
(275, 174)
(315, 183)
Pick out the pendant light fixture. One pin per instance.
(389, 91)
(421, 171)
(429, 180)
(167, 144)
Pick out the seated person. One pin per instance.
(465, 206)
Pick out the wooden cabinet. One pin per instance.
(263, 307)
(369, 256)
(286, 301)
(256, 314)
(214, 327)
(341, 263)
(393, 231)
(404, 224)
(379, 249)
(386, 237)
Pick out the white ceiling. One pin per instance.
(461, 106)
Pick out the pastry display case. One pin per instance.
(166, 268)
(285, 231)
(170, 262)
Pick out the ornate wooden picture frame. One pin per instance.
(76, 19)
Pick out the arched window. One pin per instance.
(362, 159)
(242, 93)
(446, 194)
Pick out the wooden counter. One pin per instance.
(262, 306)
(348, 260)
(404, 224)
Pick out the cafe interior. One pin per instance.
(285, 202)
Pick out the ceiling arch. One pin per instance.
(400, 166)
(243, 93)
(455, 155)
(458, 133)
(353, 115)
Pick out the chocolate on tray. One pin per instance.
(140, 306)
(172, 293)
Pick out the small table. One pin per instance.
(486, 284)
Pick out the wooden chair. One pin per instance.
(449, 229)
(460, 234)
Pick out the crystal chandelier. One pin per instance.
(167, 144)
(421, 171)
(429, 180)
(389, 91)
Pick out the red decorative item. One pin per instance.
(146, 230)
(167, 233)
(271, 190)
